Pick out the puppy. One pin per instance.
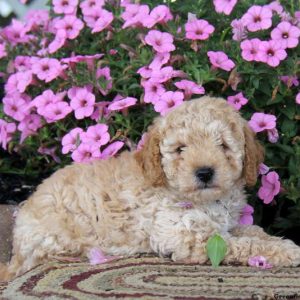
(202, 153)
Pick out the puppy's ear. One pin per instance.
(149, 159)
(254, 155)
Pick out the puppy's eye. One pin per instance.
(180, 149)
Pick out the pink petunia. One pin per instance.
(6, 132)
(289, 80)
(159, 60)
(29, 126)
(198, 30)
(273, 135)
(145, 72)
(286, 34)
(37, 19)
(58, 42)
(49, 151)
(71, 25)
(134, 15)
(16, 106)
(3, 52)
(271, 53)
(71, 140)
(220, 60)
(276, 7)
(96, 135)
(160, 14)
(22, 63)
(250, 49)
(56, 111)
(237, 101)
(122, 104)
(104, 80)
(111, 150)
(224, 6)
(89, 6)
(270, 187)
(16, 33)
(260, 122)
(101, 110)
(18, 82)
(88, 59)
(168, 101)
(246, 217)
(190, 88)
(162, 75)
(142, 142)
(238, 29)
(160, 41)
(263, 169)
(47, 69)
(298, 98)
(258, 18)
(153, 91)
(99, 19)
(96, 257)
(86, 153)
(259, 262)
(67, 7)
(82, 101)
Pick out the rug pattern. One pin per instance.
(151, 278)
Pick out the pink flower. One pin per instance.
(18, 82)
(286, 34)
(96, 257)
(121, 104)
(104, 80)
(47, 97)
(111, 150)
(162, 75)
(250, 49)
(67, 7)
(3, 52)
(270, 187)
(160, 41)
(224, 6)
(237, 101)
(88, 59)
(37, 18)
(71, 25)
(260, 122)
(246, 216)
(134, 15)
(273, 135)
(239, 30)
(22, 63)
(159, 60)
(220, 60)
(289, 80)
(198, 30)
(58, 42)
(99, 19)
(47, 69)
(89, 6)
(141, 142)
(271, 53)
(298, 98)
(168, 101)
(82, 102)
(263, 169)
(71, 140)
(96, 135)
(29, 125)
(190, 88)
(86, 153)
(258, 18)
(101, 110)
(16, 106)
(50, 152)
(159, 14)
(16, 33)
(276, 7)
(259, 262)
(145, 72)
(56, 111)
(153, 91)
(6, 133)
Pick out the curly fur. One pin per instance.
(128, 205)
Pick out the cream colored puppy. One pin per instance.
(202, 152)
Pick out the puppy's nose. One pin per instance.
(205, 174)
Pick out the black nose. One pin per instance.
(205, 174)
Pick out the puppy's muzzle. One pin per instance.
(205, 175)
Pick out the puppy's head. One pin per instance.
(202, 149)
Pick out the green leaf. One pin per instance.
(216, 249)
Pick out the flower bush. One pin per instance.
(85, 79)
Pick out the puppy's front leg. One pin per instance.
(249, 241)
